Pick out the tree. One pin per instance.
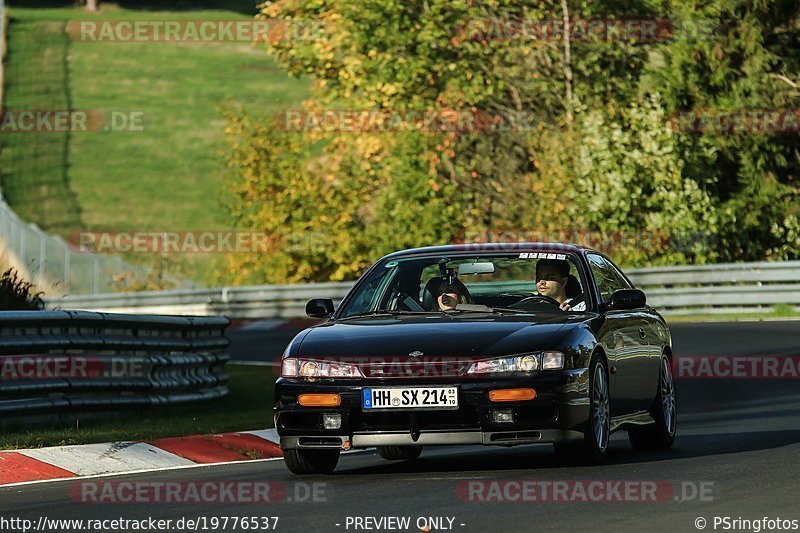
(741, 65)
(631, 186)
(568, 130)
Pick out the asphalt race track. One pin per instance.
(737, 456)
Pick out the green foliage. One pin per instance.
(17, 294)
(328, 216)
(590, 150)
(629, 178)
(739, 65)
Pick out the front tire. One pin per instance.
(399, 453)
(595, 440)
(311, 461)
(661, 435)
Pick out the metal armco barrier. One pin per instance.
(718, 289)
(64, 361)
(254, 302)
(722, 288)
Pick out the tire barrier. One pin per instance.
(65, 361)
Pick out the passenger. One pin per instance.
(448, 297)
(552, 277)
(448, 294)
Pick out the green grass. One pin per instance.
(247, 407)
(171, 175)
(33, 167)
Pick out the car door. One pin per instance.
(623, 334)
(655, 337)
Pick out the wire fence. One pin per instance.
(55, 267)
(150, 154)
(47, 260)
(2, 44)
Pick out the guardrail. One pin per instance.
(253, 302)
(57, 361)
(721, 288)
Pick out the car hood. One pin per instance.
(433, 335)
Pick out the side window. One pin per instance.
(607, 277)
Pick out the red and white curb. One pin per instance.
(63, 462)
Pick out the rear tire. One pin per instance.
(661, 435)
(311, 461)
(399, 453)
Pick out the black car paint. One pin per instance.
(631, 342)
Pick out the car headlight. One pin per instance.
(522, 363)
(305, 368)
(550, 360)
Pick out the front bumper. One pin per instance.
(558, 413)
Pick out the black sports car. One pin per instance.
(491, 344)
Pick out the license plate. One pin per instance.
(411, 398)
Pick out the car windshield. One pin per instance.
(519, 283)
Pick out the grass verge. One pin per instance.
(165, 174)
(247, 407)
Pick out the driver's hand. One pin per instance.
(565, 307)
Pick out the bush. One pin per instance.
(17, 294)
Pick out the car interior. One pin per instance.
(416, 289)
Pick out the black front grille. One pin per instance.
(464, 418)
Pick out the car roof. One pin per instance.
(497, 247)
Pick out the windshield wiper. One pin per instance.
(478, 308)
(387, 312)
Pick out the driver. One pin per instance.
(552, 276)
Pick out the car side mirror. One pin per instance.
(627, 299)
(319, 307)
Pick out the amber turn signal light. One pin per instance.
(320, 400)
(512, 395)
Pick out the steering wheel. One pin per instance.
(538, 298)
